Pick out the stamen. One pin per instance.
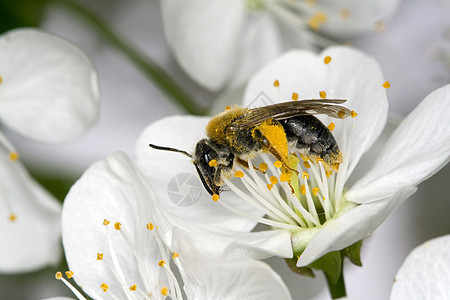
(322, 94)
(105, 222)
(164, 290)
(99, 256)
(161, 263)
(386, 84)
(294, 96)
(277, 164)
(331, 126)
(13, 155)
(69, 274)
(276, 83)
(12, 217)
(273, 180)
(345, 13)
(263, 167)
(215, 197)
(317, 20)
(305, 175)
(59, 276)
(175, 255)
(353, 114)
(1, 79)
(239, 174)
(117, 226)
(285, 177)
(150, 226)
(306, 164)
(315, 190)
(104, 287)
(327, 59)
(133, 288)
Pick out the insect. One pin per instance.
(238, 134)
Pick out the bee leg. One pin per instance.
(245, 165)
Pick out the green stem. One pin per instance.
(337, 289)
(143, 62)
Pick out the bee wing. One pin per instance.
(280, 111)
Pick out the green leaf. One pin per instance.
(353, 252)
(331, 264)
(305, 271)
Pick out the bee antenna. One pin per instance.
(170, 149)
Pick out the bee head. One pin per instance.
(205, 161)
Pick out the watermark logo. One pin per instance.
(184, 189)
(260, 100)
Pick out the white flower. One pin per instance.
(49, 93)
(332, 213)
(425, 274)
(220, 43)
(113, 232)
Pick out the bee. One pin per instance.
(239, 134)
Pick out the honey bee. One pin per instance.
(238, 134)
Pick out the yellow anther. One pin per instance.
(323, 199)
(306, 164)
(269, 186)
(175, 255)
(380, 26)
(212, 163)
(322, 94)
(302, 189)
(276, 83)
(294, 96)
(327, 59)
(117, 226)
(345, 13)
(263, 167)
(277, 164)
(273, 180)
(328, 173)
(1, 79)
(150, 226)
(239, 174)
(353, 114)
(133, 288)
(58, 275)
(69, 274)
(305, 175)
(227, 107)
(285, 177)
(215, 197)
(386, 84)
(341, 114)
(13, 155)
(161, 263)
(315, 191)
(164, 290)
(318, 159)
(12, 217)
(99, 256)
(104, 287)
(332, 126)
(317, 20)
(105, 222)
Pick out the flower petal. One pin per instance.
(34, 235)
(114, 190)
(193, 29)
(417, 149)
(49, 88)
(355, 225)
(425, 274)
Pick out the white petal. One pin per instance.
(175, 180)
(425, 274)
(204, 37)
(350, 75)
(33, 239)
(115, 190)
(355, 225)
(49, 89)
(417, 149)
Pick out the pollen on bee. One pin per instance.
(345, 13)
(353, 114)
(104, 287)
(322, 94)
(239, 174)
(164, 290)
(327, 59)
(12, 217)
(294, 96)
(386, 84)
(212, 163)
(117, 226)
(303, 189)
(161, 263)
(58, 275)
(315, 190)
(215, 197)
(133, 288)
(99, 256)
(277, 164)
(105, 222)
(69, 274)
(306, 164)
(276, 83)
(263, 167)
(331, 126)
(284, 177)
(273, 180)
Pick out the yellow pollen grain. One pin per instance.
(104, 287)
(345, 13)
(239, 174)
(353, 114)
(58, 275)
(263, 167)
(277, 164)
(99, 256)
(164, 290)
(305, 175)
(303, 189)
(276, 83)
(175, 255)
(294, 96)
(105, 222)
(285, 177)
(386, 84)
(322, 94)
(161, 263)
(150, 226)
(315, 191)
(12, 217)
(269, 186)
(133, 288)
(273, 180)
(13, 156)
(227, 107)
(327, 59)
(69, 274)
(331, 126)
(117, 226)
(212, 163)
(306, 164)
(215, 197)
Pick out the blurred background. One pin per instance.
(413, 50)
